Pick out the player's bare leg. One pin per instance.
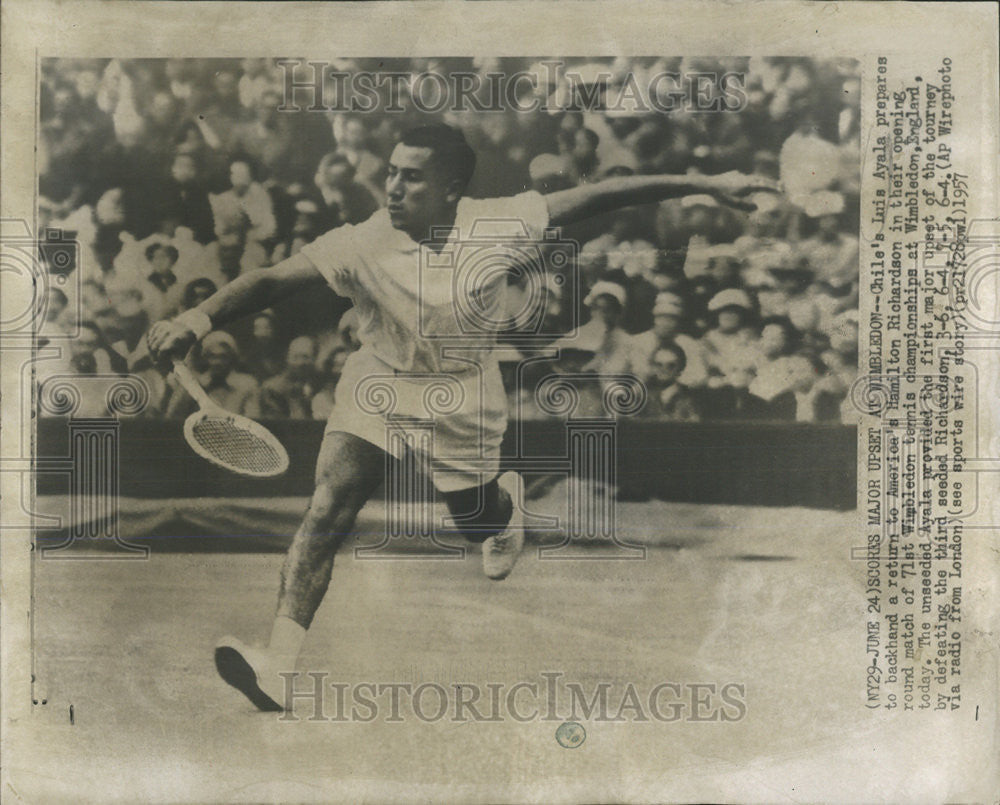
(348, 472)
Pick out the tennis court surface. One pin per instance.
(726, 595)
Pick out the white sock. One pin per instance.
(286, 640)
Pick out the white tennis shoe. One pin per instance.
(500, 551)
(252, 673)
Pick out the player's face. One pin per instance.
(420, 195)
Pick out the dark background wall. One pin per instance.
(741, 463)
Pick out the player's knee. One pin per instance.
(332, 510)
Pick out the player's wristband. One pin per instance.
(197, 322)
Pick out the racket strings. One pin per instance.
(235, 446)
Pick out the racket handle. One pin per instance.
(191, 385)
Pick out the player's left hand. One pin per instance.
(733, 187)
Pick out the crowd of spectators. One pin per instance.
(176, 175)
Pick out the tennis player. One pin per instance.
(403, 315)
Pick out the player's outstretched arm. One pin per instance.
(567, 206)
(246, 294)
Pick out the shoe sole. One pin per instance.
(236, 671)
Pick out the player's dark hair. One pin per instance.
(452, 152)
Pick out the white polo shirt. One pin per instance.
(412, 302)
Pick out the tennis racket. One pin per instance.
(228, 440)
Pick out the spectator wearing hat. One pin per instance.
(159, 289)
(668, 331)
(612, 345)
(232, 390)
(783, 380)
(666, 397)
(729, 349)
(289, 394)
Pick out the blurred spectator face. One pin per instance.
(766, 223)
(219, 360)
(844, 339)
(167, 225)
(828, 226)
(226, 84)
(700, 219)
(354, 134)
(267, 107)
(765, 163)
(240, 177)
(161, 109)
(63, 101)
(197, 291)
(666, 365)
(730, 319)
(665, 282)
(87, 82)
(253, 67)
(338, 174)
(163, 260)
(55, 304)
(666, 325)
(305, 223)
(300, 357)
(726, 270)
(774, 340)
(176, 69)
(263, 328)
(192, 142)
(183, 169)
(606, 310)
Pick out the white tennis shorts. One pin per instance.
(452, 424)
